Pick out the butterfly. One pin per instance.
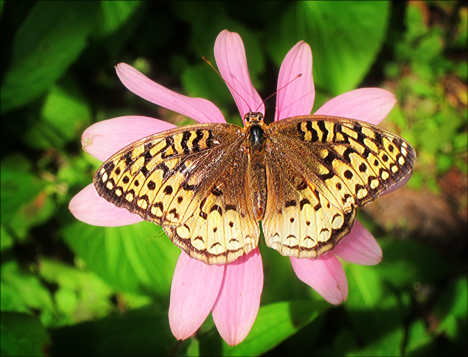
(209, 185)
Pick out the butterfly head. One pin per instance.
(255, 118)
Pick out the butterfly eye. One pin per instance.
(248, 117)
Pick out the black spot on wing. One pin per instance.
(147, 155)
(378, 139)
(304, 202)
(216, 208)
(331, 156)
(216, 191)
(145, 171)
(231, 207)
(127, 158)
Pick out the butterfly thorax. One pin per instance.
(255, 144)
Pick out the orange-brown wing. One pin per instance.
(172, 178)
(222, 226)
(320, 169)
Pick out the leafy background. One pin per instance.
(68, 288)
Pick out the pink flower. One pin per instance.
(232, 292)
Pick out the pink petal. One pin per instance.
(237, 305)
(359, 247)
(89, 207)
(106, 137)
(195, 287)
(199, 109)
(371, 105)
(232, 63)
(325, 274)
(297, 98)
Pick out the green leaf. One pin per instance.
(201, 81)
(138, 258)
(25, 201)
(23, 291)
(193, 349)
(64, 116)
(452, 309)
(408, 262)
(139, 332)
(375, 312)
(418, 337)
(274, 323)
(7, 240)
(19, 186)
(22, 335)
(76, 173)
(345, 39)
(50, 39)
(40, 209)
(414, 22)
(281, 283)
(114, 14)
(80, 296)
(205, 28)
(117, 23)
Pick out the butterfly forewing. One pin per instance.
(190, 180)
(319, 170)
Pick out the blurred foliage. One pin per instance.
(431, 88)
(68, 288)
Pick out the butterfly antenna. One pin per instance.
(219, 74)
(299, 75)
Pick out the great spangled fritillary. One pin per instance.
(209, 185)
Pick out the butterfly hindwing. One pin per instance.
(222, 226)
(300, 221)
